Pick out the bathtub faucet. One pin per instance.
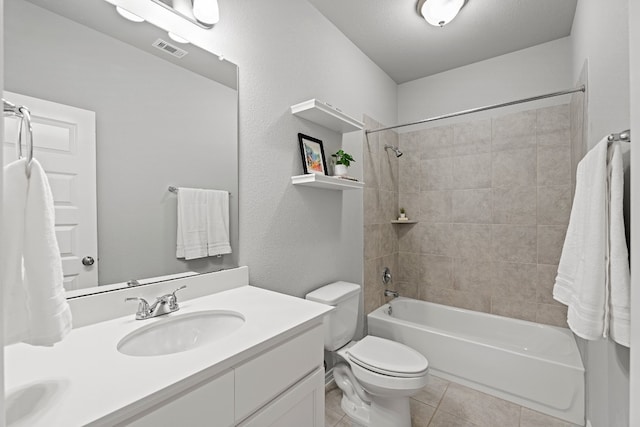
(388, 293)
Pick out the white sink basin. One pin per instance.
(180, 333)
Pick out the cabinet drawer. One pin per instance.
(301, 405)
(204, 405)
(260, 380)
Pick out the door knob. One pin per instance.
(88, 260)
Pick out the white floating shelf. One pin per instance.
(326, 115)
(326, 182)
(409, 221)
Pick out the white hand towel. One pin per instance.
(619, 255)
(218, 223)
(192, 223)
(36, 309)
(582, 279)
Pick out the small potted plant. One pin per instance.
(343, 161)
(403, 215)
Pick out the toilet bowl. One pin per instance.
(376, 375)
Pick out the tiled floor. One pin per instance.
(446, 404)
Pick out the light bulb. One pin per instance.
(128, 15)
(206, 11)
(177, 38)
(440, 12)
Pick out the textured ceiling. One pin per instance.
(401, 42)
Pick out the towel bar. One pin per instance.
(175, 190)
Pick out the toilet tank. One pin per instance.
(339, 324)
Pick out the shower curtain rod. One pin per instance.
(485, 108)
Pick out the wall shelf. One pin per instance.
(326, 115)
(326, 182)
(409, 221)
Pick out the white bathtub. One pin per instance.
(533, 365)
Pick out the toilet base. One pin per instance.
(390, 412)
(366, 410)
(380, 413)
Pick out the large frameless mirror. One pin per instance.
(121, 113)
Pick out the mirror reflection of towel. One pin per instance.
(203, 223)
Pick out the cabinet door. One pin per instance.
(301, 405)
(261, 379)
(209, 404)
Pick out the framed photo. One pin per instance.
(312, 152)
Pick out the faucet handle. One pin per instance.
(143, 307)
(173, 300)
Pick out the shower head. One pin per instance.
(395, 150)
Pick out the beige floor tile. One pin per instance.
(421, 413)
(531, 418)
(444, 419)
(332, 401)
(331, 419)
(344, 422)
(432, 393)
(479, 408)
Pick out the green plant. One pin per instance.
(343, 158)
(401, 210)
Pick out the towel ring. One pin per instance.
(23, 114)
(25, 118)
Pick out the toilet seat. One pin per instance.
(387, 357)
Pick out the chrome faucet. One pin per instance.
(165, 304)
(388, 293)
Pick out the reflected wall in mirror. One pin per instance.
(159, 121)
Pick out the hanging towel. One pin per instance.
(593, 276)
(582, 279)
(203, 223)
(619, 283)
(218, 223)
(35, 306)
(192, 223)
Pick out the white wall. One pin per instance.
(600, 35)
(529, 72)
(295, 239)
(634, 72)
(2, 410)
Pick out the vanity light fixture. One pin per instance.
(206, 11)
(440, 12)
(176, 38)
(128, 15)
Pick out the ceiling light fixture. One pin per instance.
(128, 15)
(440, 12)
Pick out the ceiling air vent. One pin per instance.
(169, 48)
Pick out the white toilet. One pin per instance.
(377, 376)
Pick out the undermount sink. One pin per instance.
(180, 333)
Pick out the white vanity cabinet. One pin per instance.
(209, 404)
(282, 386)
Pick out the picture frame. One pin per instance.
(312, 152)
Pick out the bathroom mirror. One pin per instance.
(160, 120)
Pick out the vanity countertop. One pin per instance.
(85, 380)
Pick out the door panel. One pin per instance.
(64, 140)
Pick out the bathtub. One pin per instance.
(532, 365)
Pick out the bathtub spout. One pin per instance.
(388, 293)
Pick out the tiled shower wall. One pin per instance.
(380, 207)
(492, 199)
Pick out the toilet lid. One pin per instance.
(388, 357)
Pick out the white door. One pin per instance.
(64, 140)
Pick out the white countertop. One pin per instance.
(85, 380)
